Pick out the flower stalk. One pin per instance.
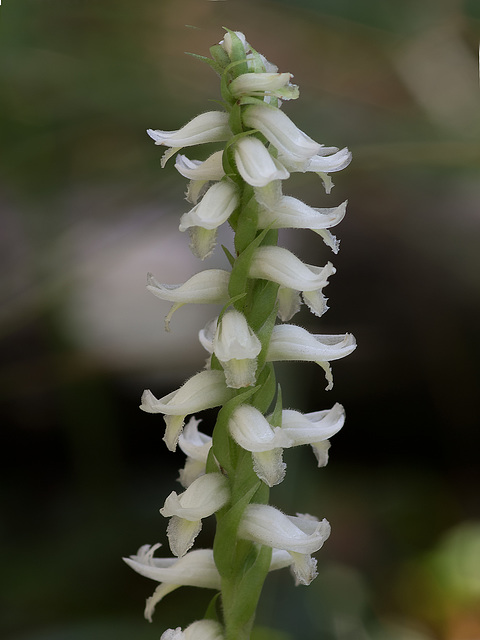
(230, 473)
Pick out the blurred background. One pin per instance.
(86, 211)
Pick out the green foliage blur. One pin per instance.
(86, 211)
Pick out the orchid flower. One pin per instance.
(201, 499)
(255, 164)
(290, 342)
(300, 535)
(196, 446)
(199, 630)
(199, 173)
(282, 266)
(204, 390)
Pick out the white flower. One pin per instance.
(200, 173)
(199, 630)
(328, 160)
(216, 206)
(289, 213)
(206, 127)
(206, 495)
(277, 127)
(204, 390)
(251, 430)
(258, 84)
(300, 536)
(282, 266)
(311, 428)
(289, 342)
(206, 287)
(227, 44)
(255, 164)
(194, 569)
(196, 446)
(235, 345)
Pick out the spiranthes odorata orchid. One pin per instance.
(230, 469)
(203, 497)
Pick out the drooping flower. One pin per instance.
(204, 390)
(199, 630)
(280, 131)
(300, 535)
(203, 497)
(207, 287)
(195, 445)
(214, 209)
(235, 345)
(255, 164)
(290, 342)
(282, 266)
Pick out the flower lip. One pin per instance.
(211, 126)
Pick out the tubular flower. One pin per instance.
(290, 342)
(255, 164)
(194, 569)
(300, 535)
(211, 126)
(201, 499)
(206, 287)
(200, 173)
(235, 345)
(253, 432)
(280, 131)
(283, 267)
(199, 630)
(196, 446)
(289, 213)
(216, 206)
(204, 390)
(259, 84)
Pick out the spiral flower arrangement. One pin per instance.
(230, 473)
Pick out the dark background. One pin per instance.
(86, 212)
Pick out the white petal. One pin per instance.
(290, 342)
(207, 287)
(258, 83)
(320, 163)
(181, 534)
(193, 442)
(251, 430)
(203, 497)
(277, 127)
(309, 428)
(282, 266)
(290, 213)
(210, 169)
(204, 390)
(255, 164)
(206, 127)
(269, 466)
(214, 209)
(234, 338)
(199, 630)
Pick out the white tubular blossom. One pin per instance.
(300, 536)
(252, 431)
(328, 160)
(206, 495)
(258, 84)
(194, 569)
(282, 266)
(235, 345)
(209, 169)
(290, 342)
(199, 630)
(196, 446)
(291, 213)
(255, 164)
(216, 206)
(207, 287)
(207, 127)
(280, 131)
(204, 390)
